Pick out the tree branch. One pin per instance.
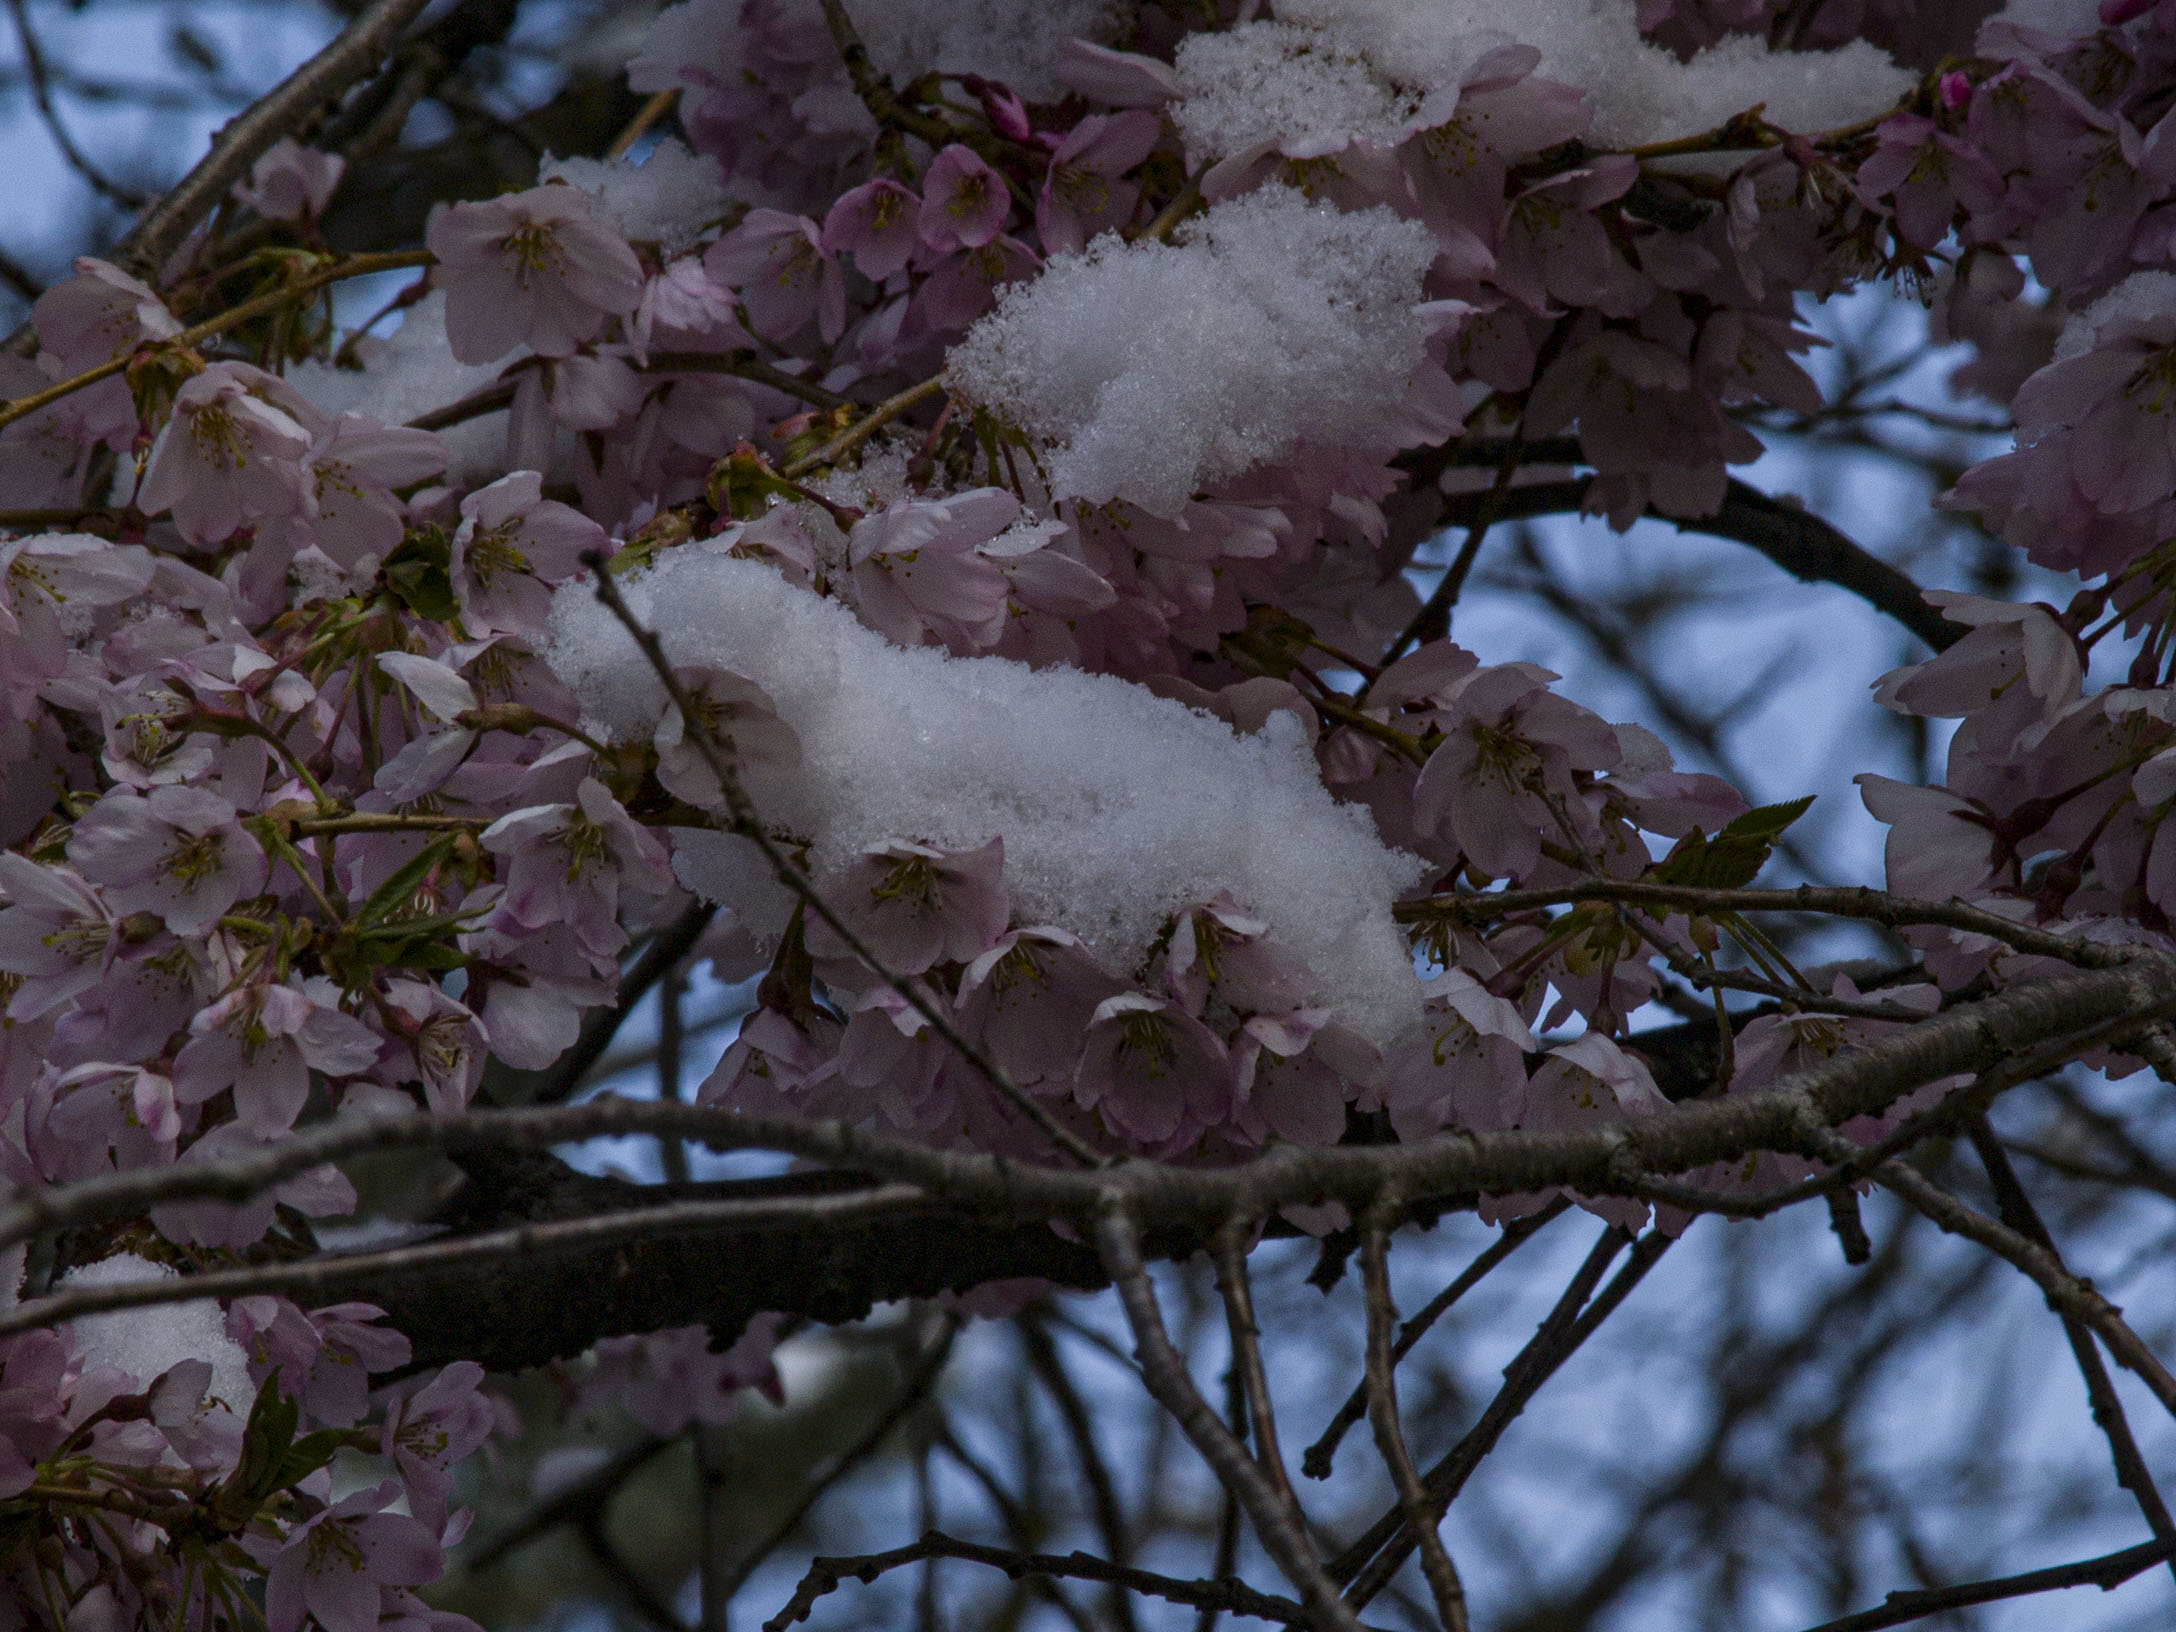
(353, 53)
(2106, 1572)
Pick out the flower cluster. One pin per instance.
(1086, 695)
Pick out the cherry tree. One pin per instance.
(955, 522)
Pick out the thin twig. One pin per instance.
(1875, 906)
(1164, 1372)
(354, 52)
(2066, 1293)
(350, 266)
(1044, 1360)
(912, 1393)
(827, 1575)
(1246, 1340)
(41, 93)
(2132, 1474)
(1382, 1389)
(865, 427)
(1315, 1462)
(2106, 1572)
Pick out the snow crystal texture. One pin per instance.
(1152, 370)
(666, 199)
(1262, 81)
(2141, 298)
(407, 375)
(146, 1342)
(1117, 807)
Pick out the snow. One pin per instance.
(666, 199)
(1117, 807)
(2142, 297)
(146, 1341)
(1276, 82)
(408, 374)
(1153, 369)
(1639, 92)
(1013, 41)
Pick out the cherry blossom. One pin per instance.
(535, 268)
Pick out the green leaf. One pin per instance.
(399, 889)
(1734, 857)
(273, 1418)
(420, 572)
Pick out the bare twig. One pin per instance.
(828, 1574)
(919, 1381)
(1246, 1339)
(358, 49)
(1559, 1337)
(1282, 1534)
(865, 427)
(2132, 1474)
(1874, 906)
(41, 93)
(352, 266)
(2067, 1294)
(1315, 1462)
(1045, 1361)
(2108, 1571)
(1382, 1390)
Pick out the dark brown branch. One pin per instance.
(1559, 1338)
(827, 1575)
(41, 93)
(913, 1392)
(1044, 1360)
(1315, 1462)
(355, 52)
(1382, 1390)
(2067, 1294)
(2106, 1572)
(2018, 1211)
(1246, 1340)
(1277, 1524)
(1808, 548)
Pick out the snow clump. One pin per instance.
(1270, 81)
(410, 373)
(2141, 298)
(146, 1342)
(665, 200)
(1154, 369)
(1117, 807)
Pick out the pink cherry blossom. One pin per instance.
(335, 1568)
(513, 544)
(784, 274)
(177, 852)
(917, 905)
(1083, 194)
(918, 569)
(964, 201)
(1156, 1075)
(228, 457)
(429, 1430)
(878, 223)
(290, 182)
(535, 268)
(262, 1042)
